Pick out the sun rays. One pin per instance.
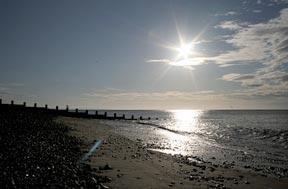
(184, 51)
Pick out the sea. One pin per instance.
(247, 139)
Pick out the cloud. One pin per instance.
(257, 11)
(237, 77)
(230, 13)
(12, 84)
(247, 80)
(265, 43)
(175, 99)
(164, 61)
(187, 62)
(231, 25)
(123, 95)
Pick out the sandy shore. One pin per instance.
(134, 166)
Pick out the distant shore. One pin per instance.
(129, 164)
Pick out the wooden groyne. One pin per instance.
(74, 112)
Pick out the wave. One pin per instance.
(164, 128)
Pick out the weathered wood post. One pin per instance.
(76, 110)
(57, 108)
(123, 116)
(12, 102)
(35, 105)
(115, 115)
(149, 118)
(0, 101)
(46, 106)
(67, 108)
(141, 118)
(105, 114)
(132, 117)
(96, 113)
(24, 104)
(86, 112)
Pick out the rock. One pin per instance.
(119, 175)
(105, 167)
(211, 169)
(103, 186)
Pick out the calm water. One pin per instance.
(242, 137)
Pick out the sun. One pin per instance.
(185, 50)
(187, 53)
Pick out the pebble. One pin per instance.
(45, 154)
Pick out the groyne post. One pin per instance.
(24, 104)
(67, 108)
(57, 108)
(115, 115)
(105, 114)
(35, 105)
(0, 101)
(96, 113)
(86, 112)
(12, 102)
(141, 118)
(46, 106)
(76, 110)
(132, 117)
(123, 116)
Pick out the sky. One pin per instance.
(149, 54)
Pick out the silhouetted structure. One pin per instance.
(76, 113)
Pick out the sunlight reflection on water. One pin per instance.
(186, 120)
(183, 121)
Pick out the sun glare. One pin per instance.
(185, 50)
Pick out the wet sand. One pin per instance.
(129, 164)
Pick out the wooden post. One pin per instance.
(141, 117)
(149, 118)
(132, 117)
(46, 106)
(12, 102)
(96, 113)
(67, 108)
(24, 104)
(123, 116)
(105, 114)
(0, 101)
(57, 108)
(86, 112)
(115, 115)
(76, 110)
(35, 105)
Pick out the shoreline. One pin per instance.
(129, 164)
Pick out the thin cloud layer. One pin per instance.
(180, 99)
